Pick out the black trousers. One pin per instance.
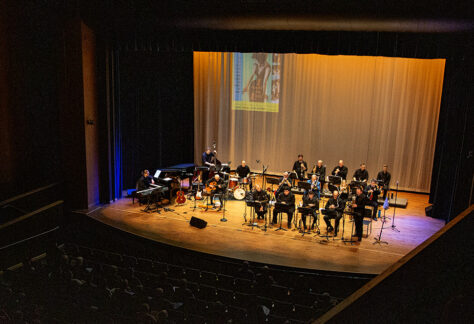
(358, 221)
(260, 214)
(303, 217)
(219, 194)
(289, 214)
(375, 205)
(385, 191)
(332, 214)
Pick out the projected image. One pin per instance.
(256, 81)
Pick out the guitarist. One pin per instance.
(215, 186)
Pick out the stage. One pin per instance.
(286, 248)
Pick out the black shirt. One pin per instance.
(298, 169)
(308, 201)
(243, 171)
(207, 158)
(143, 183)
(260, 195)
(321, 171)
(361, 175)
(338, 203)
(385, 177)
(360, 201)
(342, 171)
(219, 182)
(289, 200)
(375, 194)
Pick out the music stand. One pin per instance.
(304, 185)
(282, 208)
(252, 203)
(336, 180)
(273, 181)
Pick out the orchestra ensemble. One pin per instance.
(216, 181)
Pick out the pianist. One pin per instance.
(144, 181)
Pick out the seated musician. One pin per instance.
(300, 167)
(144, 181)
(359, 211)
(262, 196)
(315, 186)
(372, 192)
(385, 177)
(243, 171)
(208, 159)
(361, 174)
(287, 198)
(216, 186)
(333, 210)
(340, 170)
(320, 170)
(285, 181)
(310, 200)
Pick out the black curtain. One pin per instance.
(156, 111)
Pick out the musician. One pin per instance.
(311, 201)
(384, 176)
(243, 171)
(144, 181)
(361, 174)
(300, 167)
(372, 192)
(340, 170)
(315, 186)
(208, 159)
(359, 211)
(320, 170)
(217, 187)
(260, 195)
(285, 181)
(333, 209)
(286, 197)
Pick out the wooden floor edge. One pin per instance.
(394, 267)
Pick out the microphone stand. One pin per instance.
(379, 239)
(394, 208)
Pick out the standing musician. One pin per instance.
(340, 170)
(315, 186)
(209, 160)
(262, 196)
(320, 170)
(361, 174)
(216, 184)
(285, 197)
(385, 177)
(359, 211)
(144, 181)
(285, 181)
(300, 167)
(372, 192)
(310, 200)
(243, 171)
(333, 209)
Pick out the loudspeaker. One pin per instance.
(428, 210)
(197, 222)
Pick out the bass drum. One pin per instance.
(239, 194)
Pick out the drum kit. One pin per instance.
(239, 186)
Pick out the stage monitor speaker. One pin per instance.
(197, 222)
(428, 210)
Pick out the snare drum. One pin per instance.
(233, 182)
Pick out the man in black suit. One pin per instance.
(385, 177)
(333, 209)
(372, 192)
(361, 174)
(287, 198)
(340, 170)
(359, 211)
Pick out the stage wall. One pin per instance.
(357, 108)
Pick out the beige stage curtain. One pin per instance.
(377, 110)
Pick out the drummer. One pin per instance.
(243, 171)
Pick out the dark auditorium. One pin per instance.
(238, 161)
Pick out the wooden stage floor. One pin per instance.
(290, 248)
